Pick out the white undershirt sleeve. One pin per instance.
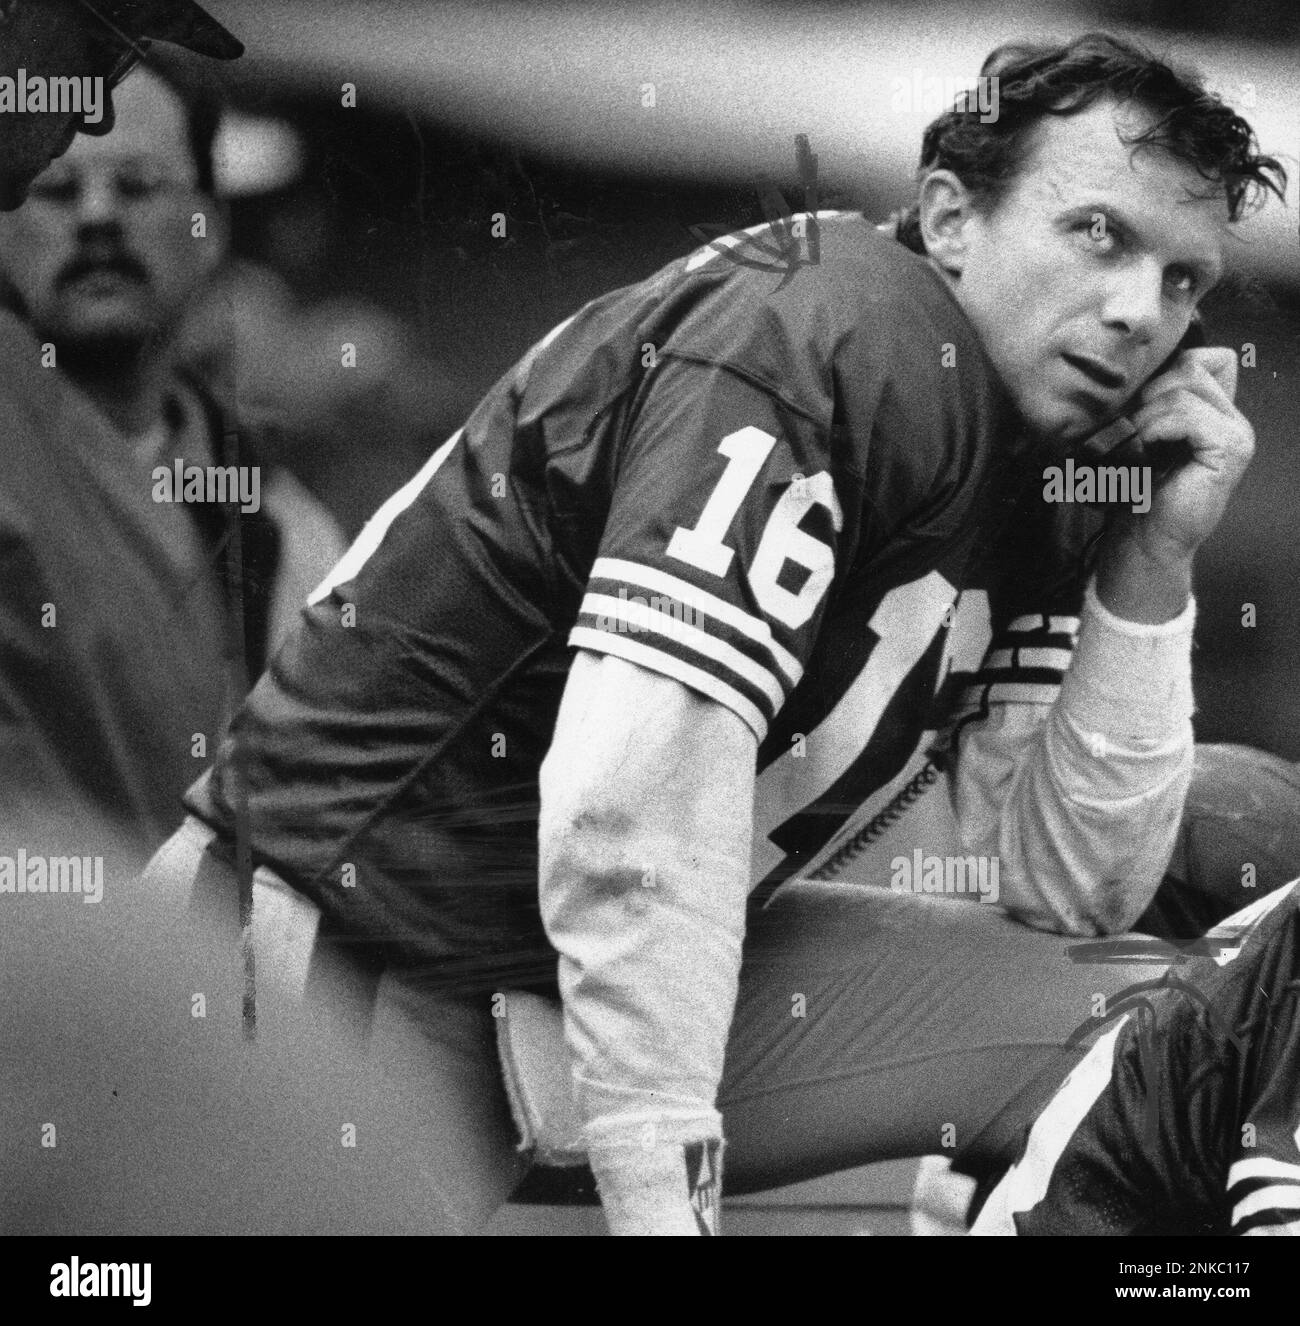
(1081, 800)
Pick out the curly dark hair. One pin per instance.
(1035, 80)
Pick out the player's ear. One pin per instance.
(945, 208)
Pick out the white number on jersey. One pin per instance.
(782, 540)
(906, 621)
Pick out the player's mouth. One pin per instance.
(1105, 377)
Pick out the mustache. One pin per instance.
(103, 260)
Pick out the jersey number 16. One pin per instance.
(782, 540)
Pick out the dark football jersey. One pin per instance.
(1007, 640)
(770, 490)
(1185, 1117)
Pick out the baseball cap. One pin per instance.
(181, 22)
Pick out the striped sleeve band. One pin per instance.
(665, 623)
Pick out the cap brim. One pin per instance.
(181, 22)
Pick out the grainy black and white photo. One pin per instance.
(640, 618)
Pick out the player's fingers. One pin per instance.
(1224, 445)
(1220, 362)
(1208, 372)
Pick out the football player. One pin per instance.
(667, 625)
(1184, 1118)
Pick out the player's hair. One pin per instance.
(1036, 80)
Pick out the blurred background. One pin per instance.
(438, 184)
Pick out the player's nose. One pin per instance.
(1133, 302)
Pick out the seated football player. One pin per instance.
(607, 700)
(1184, 1118)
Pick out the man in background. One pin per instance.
(265, 1153)
(99, 40)
(137, 610)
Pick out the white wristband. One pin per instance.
(1128, 679)
(663, 1189)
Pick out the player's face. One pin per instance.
(1084, 278)
(49, 38)
(103, 253)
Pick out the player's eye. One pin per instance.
(1183, 280)
(137, 185)
(61, 190)
(1098, 233)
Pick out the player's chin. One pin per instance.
(1063, 420)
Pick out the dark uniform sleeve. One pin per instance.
(722, 541)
